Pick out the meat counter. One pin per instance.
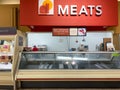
(68, 66)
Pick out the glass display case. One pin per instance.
(69, 60)
(63, 68)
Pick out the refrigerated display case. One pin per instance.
(67, 60)
(68, 66)
(9, 50)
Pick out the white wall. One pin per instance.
(56, 43)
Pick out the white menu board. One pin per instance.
(73, 31)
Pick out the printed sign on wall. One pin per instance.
(73, 31)
(82, 31)
(46, 7)
(20, 39)
(60, 32)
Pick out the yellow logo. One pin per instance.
(46, 7)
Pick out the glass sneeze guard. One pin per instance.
(69, 60)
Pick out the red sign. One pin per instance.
(60, 32)
(69, 12)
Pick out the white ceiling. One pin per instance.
(13, 1)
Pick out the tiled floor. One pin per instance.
(74, 89)
(69, 89)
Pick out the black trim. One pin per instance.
(70, 84)
(9, 87)
(8, 31)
